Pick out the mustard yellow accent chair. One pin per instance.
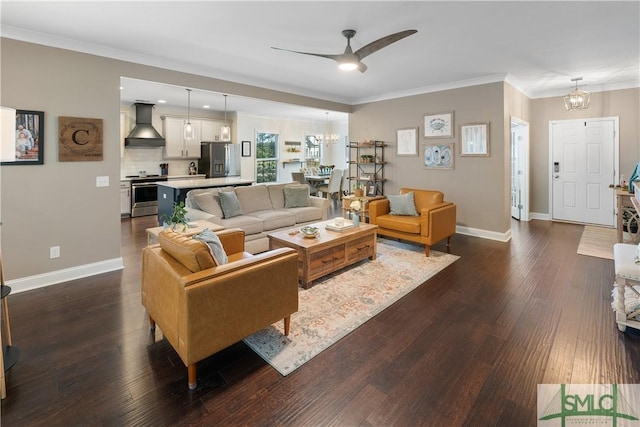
(435, 220)
(202, 307)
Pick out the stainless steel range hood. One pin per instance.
(144, 134)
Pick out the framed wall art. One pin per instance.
(439, 125)
(246, 148)
(24, 145)
(438, 156)
(407, 142)
(474, 139)
(79, 139)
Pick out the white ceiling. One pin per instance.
(536, 46)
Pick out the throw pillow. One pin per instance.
(210, 203)
(296, 197)
(230, 204)
(403, 204)
(215, 246)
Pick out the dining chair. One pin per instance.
(344, 184)
(300, 178)
(334, 185)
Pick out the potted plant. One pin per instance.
(177, 220)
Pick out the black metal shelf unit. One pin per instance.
(366, 165)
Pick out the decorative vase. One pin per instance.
(358, 192)
(180, 228)
(356, 219)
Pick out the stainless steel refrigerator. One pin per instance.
(219, 159)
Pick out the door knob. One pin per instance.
(556, 176)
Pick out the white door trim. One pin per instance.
(616, 154)
(526, 209)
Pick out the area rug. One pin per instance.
(339, 303)
(597, 242)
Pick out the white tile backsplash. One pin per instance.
(149, 159)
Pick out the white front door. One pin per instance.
(582, 167)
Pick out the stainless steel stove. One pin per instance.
(144, 194)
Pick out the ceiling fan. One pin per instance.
(350, 60)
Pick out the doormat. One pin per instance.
(597, 241)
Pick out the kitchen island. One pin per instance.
(174, 191)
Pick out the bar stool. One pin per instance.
(8, 354)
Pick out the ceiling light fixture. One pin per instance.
(188, 129)
(577, 99)
(225, 131)
(348, 62)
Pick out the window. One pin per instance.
(266, 157)
(313, 147)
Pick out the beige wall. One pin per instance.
(624, 104)
(518, 106)
(58, 204)
(476, 184)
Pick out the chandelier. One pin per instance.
(577, 99)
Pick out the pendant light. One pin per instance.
(225, 131)
(578, 99)
(188, 129)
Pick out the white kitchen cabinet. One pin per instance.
(125, 198)
(210, 130)
(175, 145)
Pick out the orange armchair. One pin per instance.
(436, 219)
(202, 307)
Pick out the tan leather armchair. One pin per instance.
(202, 307)
(436, 219)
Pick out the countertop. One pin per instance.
(206, 183)
(172, 177)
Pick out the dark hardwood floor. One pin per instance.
(467, 348)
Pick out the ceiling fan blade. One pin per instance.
(321, 55)
(362, 67)
(383, 42)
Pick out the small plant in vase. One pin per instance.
(357, 210)
(177, 220)
(358, 191)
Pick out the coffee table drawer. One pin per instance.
(326, 260)
(361, 248)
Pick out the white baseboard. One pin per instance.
(540, 216)
(485, 234)
(46, 279)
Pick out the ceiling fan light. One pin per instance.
(348, 62)
(348, 66)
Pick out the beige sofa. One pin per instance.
(202, 307)
(263, 208)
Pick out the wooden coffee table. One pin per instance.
(329, 251)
